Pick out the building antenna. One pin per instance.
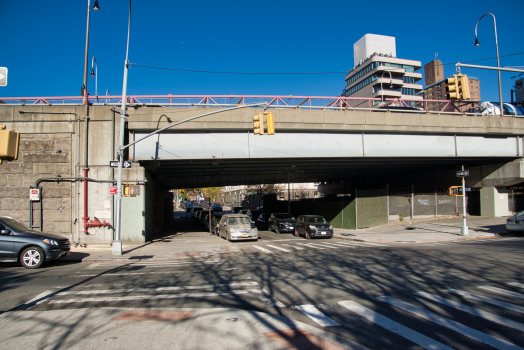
(436, 56)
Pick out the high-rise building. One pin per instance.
(379, 73)
(436, 89)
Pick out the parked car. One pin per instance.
(515, 222)
(237, 209)
(262, 221)
(18, 243)
(217, 207)
(194, 211)
(312, 226)
(236, 227)
(282, 222)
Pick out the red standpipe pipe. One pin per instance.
(85, 218)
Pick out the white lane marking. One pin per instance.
(262, 249)
(292, 246)
(503, 291)
(473, 311)
(158, 296)
(487, 300)
(516, 284)
(325, 245)
(125, 274)
(282, 240)
(150, 263)
(316, 315)
(393, 326)
(311, 245)
(158, 289)
(279, 248)
(271, 301)
(362, 244)
(453, 325)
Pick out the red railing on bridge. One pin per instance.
(302, 102)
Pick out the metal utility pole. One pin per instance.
(464, 228)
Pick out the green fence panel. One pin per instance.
(372, 208)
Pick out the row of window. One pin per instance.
(372, 78)
(374, 65)
(360, 85)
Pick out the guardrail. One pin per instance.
(414, 104)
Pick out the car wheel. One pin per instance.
(32, 258)
(296, 233)
(308, 236)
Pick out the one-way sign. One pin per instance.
(463, 173)
(126, 164)
(3, 76)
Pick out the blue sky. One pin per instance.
(43, 43)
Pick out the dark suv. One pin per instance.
(312, 226)
(18, 243)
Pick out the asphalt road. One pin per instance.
(364, 293)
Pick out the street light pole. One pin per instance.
(94, 73)
(477, 43)
(117, 242)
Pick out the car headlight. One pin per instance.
(330, 227)
(232, 230)
(314, 228)
(50, 241)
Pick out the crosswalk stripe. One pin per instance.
(450, 324)
(473, 311)
(333, 245)
(158, 296)
(159, 289)
(361, 244)
(393, 326)
(311, 245)
(262, 249)
(294, 247)
(503, 291)
(488, 300)
(274, 246)
(516, 284)
(324, 245)
(316, 315)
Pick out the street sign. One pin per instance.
(3, 76)
(114, 164)
(463, 173)
(34, 194)
(112, 190)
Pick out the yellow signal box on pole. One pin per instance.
(270, 124)
(455, 191)
(258, 124)
(452, 87)
(463, 87)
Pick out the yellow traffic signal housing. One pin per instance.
(8, 144)
(463, 87)
(452, 88)
(258, 124)
(125, 190)
(455, 191)
(270, 124)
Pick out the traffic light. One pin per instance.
(455, 191)
(452, 88)
(270, 124)
(258, 124)
(8, 144)
(463, 87)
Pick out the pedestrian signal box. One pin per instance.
(455, 191)
(129, 190)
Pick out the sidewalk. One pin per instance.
(202, 245)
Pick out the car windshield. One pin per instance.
(239, 221)
(16, 225)
(315, 220)
(285, 217)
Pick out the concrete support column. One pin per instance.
(493, 202)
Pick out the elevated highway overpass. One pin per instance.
(333, 143)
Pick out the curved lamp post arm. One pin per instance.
(477, 43)
(390, 83)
